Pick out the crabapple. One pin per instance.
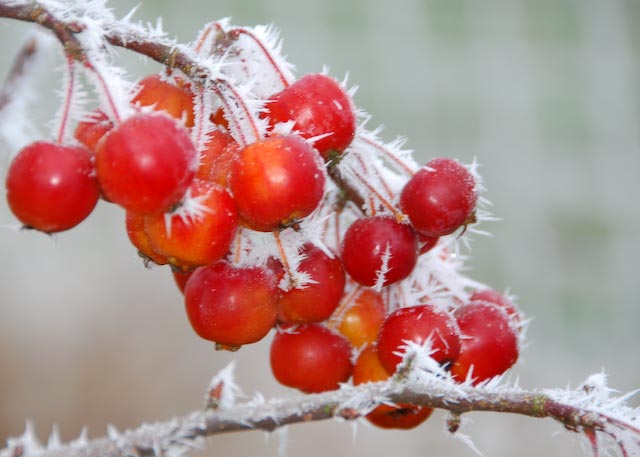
(319, 106)
(493, 296)
(174, 99)
(489, 344)
(439, 198)
(418, 324)
(379, 248)
(275, 182)
(403, 416)
(199, 238)
(146, 163)
(310, 358)
(231, 306)
(316, 301)
(93, 129)
(216, 158)
(361, 321)
(135, 231)
(52, 187)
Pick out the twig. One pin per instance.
(187, 431)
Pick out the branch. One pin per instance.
(577, 410)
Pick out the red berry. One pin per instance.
(404, 416)
(316, 301)
(93, 129)
(371, 241)
(427, 242)
(146, 163)
(198, 239)
(319, 106)
(361, 321)
(219, 153)
(139, 238)
(275, 182)
(439, 198)
(310, 358)
(51, 187)
(231, 306)
(495, 297)
(418, 324)
(181, 278)
(175, 100)
(489, 346)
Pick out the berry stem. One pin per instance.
(236, 31)
(68, 100)
(387, 153)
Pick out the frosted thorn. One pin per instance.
(349, 414)
(222, 390)
(453, 422)
(54, 439)
(113, 432)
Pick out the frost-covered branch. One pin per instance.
(589, 410)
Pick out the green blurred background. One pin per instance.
(544, 93)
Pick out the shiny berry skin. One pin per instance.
(316, 301)
(216, 158)
(418, 324)
(319, 106)
(174, 99)
(404, 416)
(51, 187)
(439, 198)
(231, 306)
(310, 358)
(146, 163)
(181, 278)
(427, 242)
(489, 346)
(275, 182)
(365, 244)
(495, 297)
(139, 238)
(361, 321)
(192, 240)
(93, 129)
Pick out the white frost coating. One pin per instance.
(622, 428)
(190, 210)
(223, 386)
(381, 274)
(16, 123)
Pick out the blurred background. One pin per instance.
(544, 93)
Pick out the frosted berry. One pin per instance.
(276, 182)
(146, 163)
(418, 324)
(439, 198)
(198, 237)
(319, 106)
(231, 306)
(404, 416)
(361, 320)
(489, 346)
(174, 99)
(310, 358)
(371, 242)
(315, 301)
(51, 187)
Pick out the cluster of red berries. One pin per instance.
(341, 308)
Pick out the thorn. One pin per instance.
(453, 422)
